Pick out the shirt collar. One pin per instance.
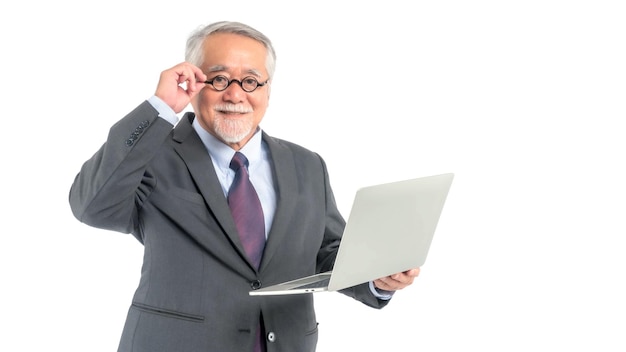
(222, 153)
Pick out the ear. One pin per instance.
(194, 102)
(269, 92)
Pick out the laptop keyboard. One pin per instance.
(321, 283)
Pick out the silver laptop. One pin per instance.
(389, 230)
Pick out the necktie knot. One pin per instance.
(238, 161)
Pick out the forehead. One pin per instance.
(234, 54)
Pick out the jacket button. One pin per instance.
(271, 337)
(256, 284)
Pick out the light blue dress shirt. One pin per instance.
(259, 168)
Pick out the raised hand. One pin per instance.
(179, 84)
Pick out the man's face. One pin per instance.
(232, 115)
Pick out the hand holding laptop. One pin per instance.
(397, 281)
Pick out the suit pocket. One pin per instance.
(314, 331)
(167, 313)
(187, 195)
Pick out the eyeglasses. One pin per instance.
(248, 84)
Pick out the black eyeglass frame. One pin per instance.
(239, 82)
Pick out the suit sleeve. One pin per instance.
(113, 183)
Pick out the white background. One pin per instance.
(522, 100)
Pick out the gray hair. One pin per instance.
(195, 42)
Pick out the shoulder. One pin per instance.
(278, 145)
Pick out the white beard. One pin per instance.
(232, 130)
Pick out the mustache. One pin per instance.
(236, 108)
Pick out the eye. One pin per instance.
(220, 80)
(250, 81)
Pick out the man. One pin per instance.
(170, 187)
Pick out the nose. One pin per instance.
(234, 92)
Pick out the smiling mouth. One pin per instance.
(232, 112)
(233, 109)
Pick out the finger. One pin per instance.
(413, 272)
(392, 282)
(400, 280)
(195, 85)
(382, 284)
(182, 72)
(196, 78)
(403, 276)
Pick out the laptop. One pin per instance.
(389, 230)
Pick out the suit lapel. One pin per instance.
(192, 151)
(284, 170)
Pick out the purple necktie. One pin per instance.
(246, 209)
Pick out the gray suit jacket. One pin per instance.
(158, 183)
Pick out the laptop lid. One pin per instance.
(389, 230)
